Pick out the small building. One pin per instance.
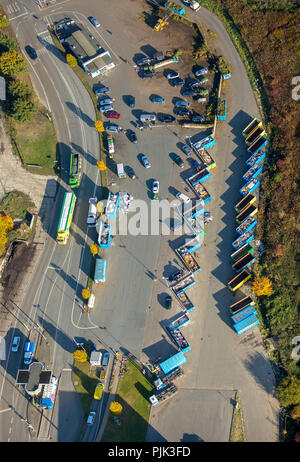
(95, 358)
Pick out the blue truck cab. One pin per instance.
(29, 352)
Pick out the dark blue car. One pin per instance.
(31, 52)
(176, 82)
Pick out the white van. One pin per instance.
(92, 215)
(147, 117)
(183, 197)
(121, 171)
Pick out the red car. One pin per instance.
(112, 115)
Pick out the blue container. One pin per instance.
(244, 314)
(246, 324)
(246, 225)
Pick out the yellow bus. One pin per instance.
(65, 219)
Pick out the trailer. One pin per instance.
(112, 205)
(250, 211)
(165, 62)
(251, 127)
(244, 262)
(256, 158)
(241, 305)
(245, 324)
(242, 240)
(200, 191)
(104, 234)
(179, 340)
(258, 145)
(250, 186)
(172, 362)
(253, 172)
(206, 143)
(260, 131)
(188, 259)
(239, 280)
(221, 109)
(243, 314)
(206, 159)
(185, 301)
(247, 248)
(100, 270)
(246, 225)
(245, 202)
(184, 284)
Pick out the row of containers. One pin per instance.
(243, 313)
(170, 368)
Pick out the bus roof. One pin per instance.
(63, 219)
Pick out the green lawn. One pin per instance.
(133, 393)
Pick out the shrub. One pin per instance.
(262, 286)
(80, 356)
(12, 63)
(289, 391)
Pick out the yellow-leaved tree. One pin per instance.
(262, 286)
(115, 408)
(94, 249)
(85, 293)
(80, 355)
(71, 60)
(6, 225)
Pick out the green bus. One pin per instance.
(65, 219)
(75, 170)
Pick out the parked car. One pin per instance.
(176, 82)
(132, 136)
(106, 100)
(94, 21)
(15, 343)
(31, 52)
(155, 187)
(186, 199)
(190, 92)
(146, 74)
(112, 115)
(186, 149)
(112, 128)
(165, 118)
(99, 389)
(157, 99)
(105, 358)
(182, 103)
(91, 418)
(105, 107)
(197, 118)
(145, 161)
(177, 159)
(144, 60)
(175, 276)
(101, 90)
(130, 172)
(203, 80)
(168, 302)
(172, 74)
(193, 84)
(183, 112)
(131, 101)
(201, 71)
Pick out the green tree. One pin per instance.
(7, 43)
(23, 110)
(289, 391)
(12, 63)
(18, 89)
(4, 22)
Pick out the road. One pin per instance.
(122, 317)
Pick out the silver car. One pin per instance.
(145, 161)
(105, 107)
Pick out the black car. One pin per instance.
(182, 112)
(172, 74)
(145, 74)
(168, 301)
(31, 52)
(198, 118)
(175, 276)
(176, 82)
(177, 159)
(190, 92)
(131, 101)
(165, 118)
(132, 136)
(130, 172)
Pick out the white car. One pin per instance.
(94, 21)
(183, 197)
(145, 161)
(155, 187)
(15, 343)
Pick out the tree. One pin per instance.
(80, 356)
(23, 110)
(85, 293)
(289, 391)
(4, 22)
(94, 249)
(12, 63)
(99, 126)
(71, 60)
(262, 286)
(115, 408)
(295, 412)
(18, 89)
